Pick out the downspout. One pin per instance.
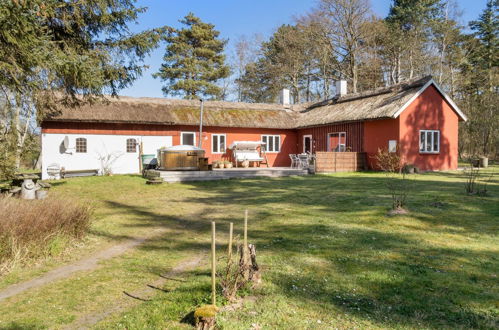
(201, 124)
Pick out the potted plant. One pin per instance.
(215, 164)
(228, 164)
(221, 164)
(245, 163)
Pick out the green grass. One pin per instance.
(331, 257)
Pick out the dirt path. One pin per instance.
(131, 299)
(89, 263)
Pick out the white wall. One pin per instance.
(98, 146)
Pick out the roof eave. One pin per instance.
(461, 115)
(156, 123)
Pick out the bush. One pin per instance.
(397, 183)
(32, 229)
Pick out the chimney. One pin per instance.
(285, 99)
(341, 88)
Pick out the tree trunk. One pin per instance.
(353, 63)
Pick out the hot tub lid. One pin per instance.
(182, 148)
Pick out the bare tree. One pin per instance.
(322, 61)
(346, 19)
(246, 51)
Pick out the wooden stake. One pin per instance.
(231, 229)
(245, 241)
(213, 265)
(245, 246)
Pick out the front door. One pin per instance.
(307, 144)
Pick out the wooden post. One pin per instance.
(245, 247)
(213, 265)
(141, 151)
(245, 241)
(231, 229)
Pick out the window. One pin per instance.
(429, 141)
(337, 142)
(272, 143)
(218, 143)
(131, 145)
(81, 145)
(188, 138)
(392, 146)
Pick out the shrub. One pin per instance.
(397, 183)
(232, 276)
(476, 180)
(388, 161)
(32, 229)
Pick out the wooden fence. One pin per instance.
(327, 162)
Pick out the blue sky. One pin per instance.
(234, 18)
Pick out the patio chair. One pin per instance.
(303, 161)
(294, 160)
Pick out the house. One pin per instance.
(416, 118)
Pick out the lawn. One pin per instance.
(331, 257)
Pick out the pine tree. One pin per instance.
(69, 52)
(482, 88)
(485, 57)
(194, 60)
(258, 84)
(409, 23)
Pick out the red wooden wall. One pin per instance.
(430, 111)
(354, 136)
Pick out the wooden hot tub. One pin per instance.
(180, 158)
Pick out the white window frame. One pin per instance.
(392, 146)
(182, 137)
(423, 146)
(344, 144)
(274, 137)
(311, 142)
(218, 151)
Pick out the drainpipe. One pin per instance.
(201, 124)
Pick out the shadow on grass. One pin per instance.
(401, 280)
(385, 277)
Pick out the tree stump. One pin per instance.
(204, 317)
(250, 267)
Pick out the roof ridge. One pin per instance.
(196, 103)
(373, 92)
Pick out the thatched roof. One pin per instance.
(180, 112)
(376, 104)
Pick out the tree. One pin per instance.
(486, 56)
(297, 57)
(258, 84)
(194, 60)
(346, 20)
(481, 94)
(321, 63)
(283, 63)
(246, 51)
(55, 52)
(409, 23)
(288, 54)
